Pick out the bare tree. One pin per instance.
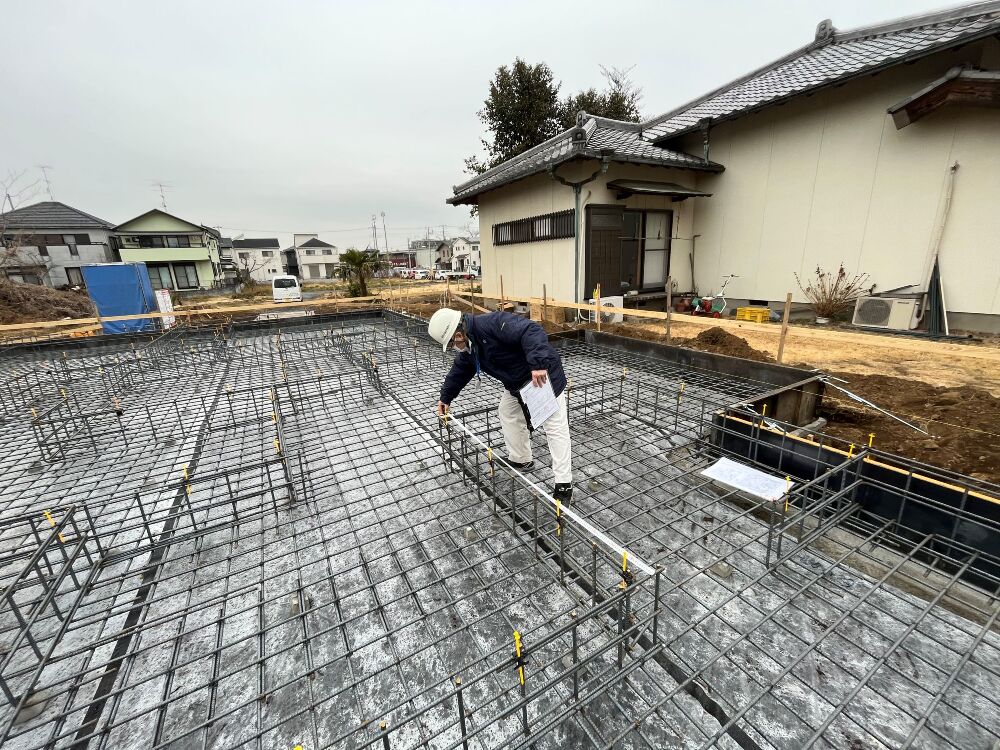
(16, 254)
(246, 263)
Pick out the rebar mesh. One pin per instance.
(262, 537)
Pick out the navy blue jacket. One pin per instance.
(507, 347)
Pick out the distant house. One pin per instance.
(179, 254)
(443, 255)
(316, 259)
(841, 151)
(465, 254)
(401, 259)
(258, 258)
(48, 242)
(424, 252)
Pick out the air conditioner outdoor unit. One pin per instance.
(886, 312)
(606, 302)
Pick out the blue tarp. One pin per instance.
(121, 289)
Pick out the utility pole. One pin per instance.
(385, 235)
(374, 235)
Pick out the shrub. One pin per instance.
(831, 293)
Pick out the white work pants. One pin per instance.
(518, 439)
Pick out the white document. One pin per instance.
(541, 402)
(748, 479)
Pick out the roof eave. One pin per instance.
(473, 198)
(823, 86)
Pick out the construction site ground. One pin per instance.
(950, 389)
(263, 537)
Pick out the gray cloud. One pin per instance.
(272, 118)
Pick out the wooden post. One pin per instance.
(545, 304)
(784, 326)
(502, 301)
(448, 290)
(597, 307)
(670, 296)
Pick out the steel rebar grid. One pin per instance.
(601, 451)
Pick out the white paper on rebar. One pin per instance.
(748, 479)
(540, 400)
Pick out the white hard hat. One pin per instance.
(442, 326)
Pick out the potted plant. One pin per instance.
(831, 293)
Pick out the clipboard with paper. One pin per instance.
(540, 400)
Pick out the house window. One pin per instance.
(74, 276)
(52, 239)
(43, 251)
(244, 256)
(310, 252)
(159, 275)
(69, 239)
(180, 241)
(82, 239)
(147, 241)
(627, 250)
(186, 275)
(555, 226)
(267, 253)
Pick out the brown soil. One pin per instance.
(962, 422)
(26, 303)
(714, 340)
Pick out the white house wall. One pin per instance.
(261, 268)
(526, 267)
(829, 179)
(59, 257)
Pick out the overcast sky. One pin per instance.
(268, 118)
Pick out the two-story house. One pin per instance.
(257, 258)
(316, 259)
(179, 254)
(465, 254)
(48, 243)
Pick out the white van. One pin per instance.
(286, 289)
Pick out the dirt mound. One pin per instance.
(720, 341)
(962, 422)
(27, 303)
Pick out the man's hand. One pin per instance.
(442, 408)
(538, 377)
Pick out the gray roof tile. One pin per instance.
(51, 215)
(621, 141)
(831, 60)
(256, 242)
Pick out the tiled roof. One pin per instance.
(594, 138)
(257, 242)
(832, 57)
(51, 215)
(315, 242)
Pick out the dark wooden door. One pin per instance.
(604, 250)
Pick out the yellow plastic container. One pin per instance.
(753, 314)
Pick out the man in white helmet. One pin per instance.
(514, 350)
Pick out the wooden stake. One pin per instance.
(597, 307)
(669, 306)
(502, 301)
(448, 290)
(545, 304)
(784, 326)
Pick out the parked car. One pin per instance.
(420, 273)
(441, 274)
(286, 289)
